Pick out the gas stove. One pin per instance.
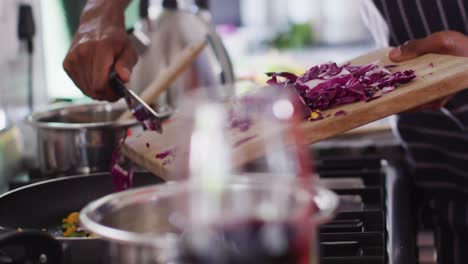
(373, 224)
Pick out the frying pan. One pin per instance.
(43, 206)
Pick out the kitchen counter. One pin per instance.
(249, 63)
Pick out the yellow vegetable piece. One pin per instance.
(72, 218)
(314, 115)
(69, 231)
(20, 229)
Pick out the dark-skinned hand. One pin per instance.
(445, 42)
(101, 43)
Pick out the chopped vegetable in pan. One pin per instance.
(71, 228)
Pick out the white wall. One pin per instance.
(56, 45)
(14, 71)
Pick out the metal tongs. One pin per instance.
(140, 110)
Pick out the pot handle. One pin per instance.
(29, 247)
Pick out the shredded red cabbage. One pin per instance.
(150, 124)
(121, 178)
(290, 77)
(329, 85)
(241, 123)
(166, 154)
(147, 145)
(144, 116)
(140, 114)
(341, 113)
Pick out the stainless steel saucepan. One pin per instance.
(147, 225)
(78, 139)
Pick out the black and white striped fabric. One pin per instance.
(437, 142)
(410, 19)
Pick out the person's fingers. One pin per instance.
(125, 63)
(89, 63)
(441, 103)
(441, 42)
(411, 50)
(84, 69)
(108, 94)
(100, 71)
(432, 106)
(422, 108)
(70, 66)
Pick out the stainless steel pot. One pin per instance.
(145, 225)
(78, 139)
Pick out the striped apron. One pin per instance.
(436, 142)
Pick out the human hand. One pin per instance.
(445, 42)
(101, 43)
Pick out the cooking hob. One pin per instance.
(373, 224)
(370, 226)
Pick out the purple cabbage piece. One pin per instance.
(321, 72)
(151, 124)
(341, 113)
(166, 154)
(290, 78)
(140, 114)
(122, 178)
(241, 123)
(334, 85)
(143, 116)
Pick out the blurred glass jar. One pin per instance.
(256, 133)
(227, 211)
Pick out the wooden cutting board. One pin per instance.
(437, 76)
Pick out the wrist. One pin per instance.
(105, 11)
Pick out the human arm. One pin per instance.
(100, 43)
(444, 42)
